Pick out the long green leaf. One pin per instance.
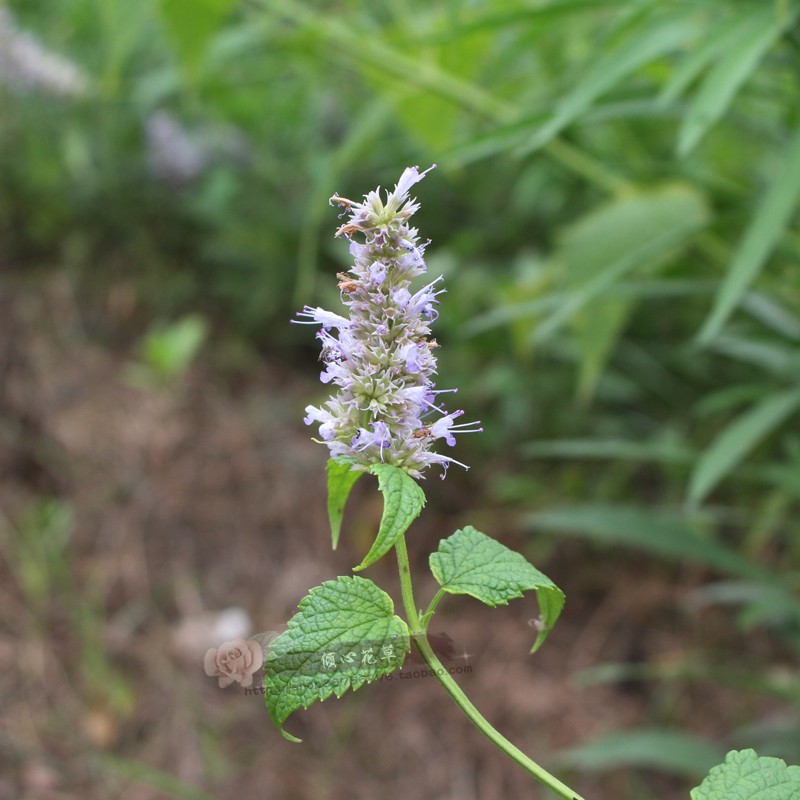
(635, 289)
(670, 751)
(759, 240)
(738, 439)
(765, 354)
(639, 47)
(663, 533)
(707, 49)
(503, 137)
(664, 452)
(491, 17)
(724, 400)
(741, 57)
(772, 314)
(629, 234)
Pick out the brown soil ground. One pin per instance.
(189, 498)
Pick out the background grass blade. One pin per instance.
(738, 439)
(700, 56)
(740, 58)
(632, 233)
(761, 237)
(661, 532)
(138, 772)
(664, 452)
(640, 47)
(654, 748)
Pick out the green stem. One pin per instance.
(406, 589)
(454, 690)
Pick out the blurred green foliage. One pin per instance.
(615, 214)
(166, 352)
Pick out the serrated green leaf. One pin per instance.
(738, 439)
(341, 479)
(344, 635)
(470, 562)
(403, 499)
(745, 776)
(740, 58)
(759, 240)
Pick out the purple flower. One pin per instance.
(380, 356)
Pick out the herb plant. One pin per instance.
(385, 418)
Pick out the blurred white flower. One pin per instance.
(27, 65)
(178, 155)
(173, 154)
(197, 633)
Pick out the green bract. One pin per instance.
(344, 635)
(746, 776)
(341, 478)
(403, 499)
(470, 562)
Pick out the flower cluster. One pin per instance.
(380, 356)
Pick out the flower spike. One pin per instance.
(380, 357)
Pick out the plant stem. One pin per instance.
(454, 690)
